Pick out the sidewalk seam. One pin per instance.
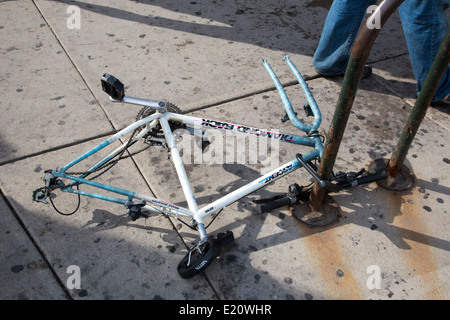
(63, 146)
(247, 95)
(36, 246)
(73, 63)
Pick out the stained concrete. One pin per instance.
(206, 58)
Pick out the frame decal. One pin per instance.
(249, 130)
(278, 173)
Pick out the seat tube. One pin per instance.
(202, 233)
(178, 163)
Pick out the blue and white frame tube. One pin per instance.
(257, 184)
(286, 102)
(308, 95)
(110, 140)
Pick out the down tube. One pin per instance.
(257, 184)
(110, 140)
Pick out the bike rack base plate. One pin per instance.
(403, 180)
(328, 213)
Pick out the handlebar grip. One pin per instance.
(267, 207)
(365, 179)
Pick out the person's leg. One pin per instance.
(424, 24)
(338, 35)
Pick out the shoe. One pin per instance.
(443, 103)
(367, 72)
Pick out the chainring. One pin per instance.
(157, 132)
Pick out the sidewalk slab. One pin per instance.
(118, 258)
(205, 58)
(24, 274)
(402, 234)
(272, 250)
(396, 77)
(45, 102)
(194, 54)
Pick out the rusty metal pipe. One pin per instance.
(352, 78)
(417, 114)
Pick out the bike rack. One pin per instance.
(399, 176)
(321, 209)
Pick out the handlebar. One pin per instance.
(287, 104)
(277, 203)
(368, 178)
(296, 192)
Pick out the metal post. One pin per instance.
(352, 78)
(426, 94)
(400, 178)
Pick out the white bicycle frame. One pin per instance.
(163, 117)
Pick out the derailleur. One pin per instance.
(51, 183)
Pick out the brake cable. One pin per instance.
(64, 213)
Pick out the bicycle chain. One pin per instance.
(156, 132)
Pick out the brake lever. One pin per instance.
(351, 176)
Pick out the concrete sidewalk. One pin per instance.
(205, 57)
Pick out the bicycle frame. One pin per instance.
(163, 117)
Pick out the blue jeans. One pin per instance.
(424, 25)
(338, 35)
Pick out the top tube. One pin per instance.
(287, 104)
